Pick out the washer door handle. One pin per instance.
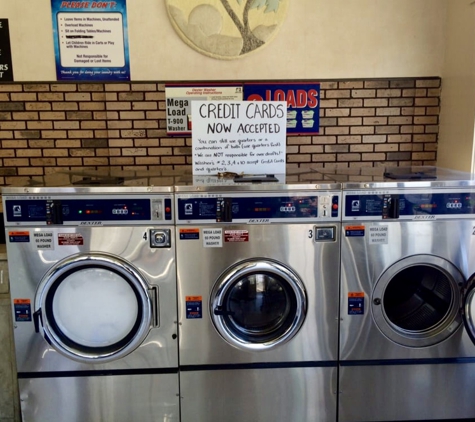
(220, 311)
(37, 317)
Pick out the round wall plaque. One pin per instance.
(227, 29)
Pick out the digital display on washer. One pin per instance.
(119, 209)
(228, 209)
(410, 204)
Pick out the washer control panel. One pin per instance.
(409, 204)
(258, 208)
(89, 211)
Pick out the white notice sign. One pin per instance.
(378, 235)
(91, 40)
(240, 137)
(43, 240)
(213, 238)
(180, 98)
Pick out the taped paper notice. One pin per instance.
(43, 240)
(378, 235)
(213, 238)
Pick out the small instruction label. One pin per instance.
(213, 238)
(189, 234)
(22, 309)
(43, 240)
(194, 307)
(236, 235)
(378, 235)
(354, 231)
(68, 239)
(356, 303)
(18, 237)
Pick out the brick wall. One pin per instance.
(46, 126)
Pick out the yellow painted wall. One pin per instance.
(320, 39)
(457, 118)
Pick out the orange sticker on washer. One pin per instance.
(354, 231)
(21, 301)
(22, 310)
(194, 307)
(356, 303)
(193, 298)
(19, 237)
(189, 234)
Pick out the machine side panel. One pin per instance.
(264, 395)
(118, 398)
(406, 392)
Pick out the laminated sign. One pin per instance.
(180, 97)
(6, 69)
(302, 98)
(90, 40)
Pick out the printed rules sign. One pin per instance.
(244, 137)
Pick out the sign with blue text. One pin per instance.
(242, 137)
(90, 40)
(303, 103)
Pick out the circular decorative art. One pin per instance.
(227, 29)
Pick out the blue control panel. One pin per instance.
(59, 211)
(237, 208)
(410, 204)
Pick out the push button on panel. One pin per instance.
(335, 206)
(453, 205)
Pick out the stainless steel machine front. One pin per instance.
(407, 265)
(258, 272)
(93, 286)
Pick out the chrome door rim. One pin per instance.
(469, 316)
(255, 266)
(422, 338)
(83, 261)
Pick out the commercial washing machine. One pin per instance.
(258, 273)
(407, 270)
(93, 286)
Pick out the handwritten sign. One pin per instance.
(240, 137)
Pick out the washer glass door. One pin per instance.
(258, 304)
(94, 308)
(416, 301)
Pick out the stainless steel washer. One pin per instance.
(93, 285)
(258, 272)
(407, 265)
